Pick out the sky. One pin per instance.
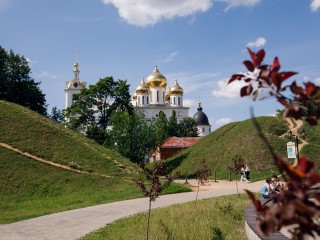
(201, 43)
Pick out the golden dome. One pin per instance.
(168, 94)
(143, 88)
(156, 79)
(134, 97)
(176, 89)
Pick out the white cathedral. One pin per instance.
(151, 97)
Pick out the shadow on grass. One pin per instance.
(176, 162)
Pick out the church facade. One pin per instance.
(150, 97)
(153, 95)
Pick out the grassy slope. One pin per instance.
(184, 221)
(239, 138)
(30, 188)
(312, 150)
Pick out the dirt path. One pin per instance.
(294, 126)
(7, 146)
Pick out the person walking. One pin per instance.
(243, 176)
(247, 172)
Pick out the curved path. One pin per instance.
(79, 222)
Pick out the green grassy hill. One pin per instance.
(238, 138)
(30, 188)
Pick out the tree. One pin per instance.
(16, 85)
(92, 108)
(131, 135)
(187, 127)
(173, 125)
(161, 128)
(57, 115)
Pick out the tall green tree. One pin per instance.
(161, 128)
(91, 109)
(187, 127)
(16, 85)
(131, 135)
(173, 125)
(57, 115)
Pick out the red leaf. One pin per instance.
(282, 101)
(249, 65)
(312, 120)
(285, 75)
(310, 88)
(235, 77)
(246, 90)
(256, 203)
(276, 80)
(275, 66)
(260, 56)
(253, 57)
(295, 88)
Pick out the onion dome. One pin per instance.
(176, 89)
(156, 79)
(134, 97)
(143, 88)
(168, 94)
(200, 117)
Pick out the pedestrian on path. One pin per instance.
(243, 176)
(247, 172)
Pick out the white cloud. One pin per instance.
(190, 103)
(223, 121)
(170, 57)
(191, 82)
(315, 5)
(148, 12)
(271, 114)
(45, 74)
(239, 3)
(226, 90)
(31, 62)
(317, 80)
(259, 42)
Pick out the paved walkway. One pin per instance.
(79, 222)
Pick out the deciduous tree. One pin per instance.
(16, 85)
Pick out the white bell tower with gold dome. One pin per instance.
(75, 85)
(151, 97)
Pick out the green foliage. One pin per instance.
(173, 125)
(187, 127)
(92, 108)
(238, 138)
(161, 128)
(131, 135)
(57, 115)
(16, 85)
(207, 221)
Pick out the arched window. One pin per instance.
(147, 100)
(174, 100)
(179, 101)
(203, 130)
(157, 96)
(142, 100)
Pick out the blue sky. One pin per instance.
(199, 42)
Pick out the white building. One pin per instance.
(152, 96)
(75, 85)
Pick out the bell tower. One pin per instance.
(75, 85)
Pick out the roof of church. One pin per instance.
(200, 117)
(179, 142)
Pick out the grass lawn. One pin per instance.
(215, 218)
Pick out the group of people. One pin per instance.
(245, 174)
(271, 187)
